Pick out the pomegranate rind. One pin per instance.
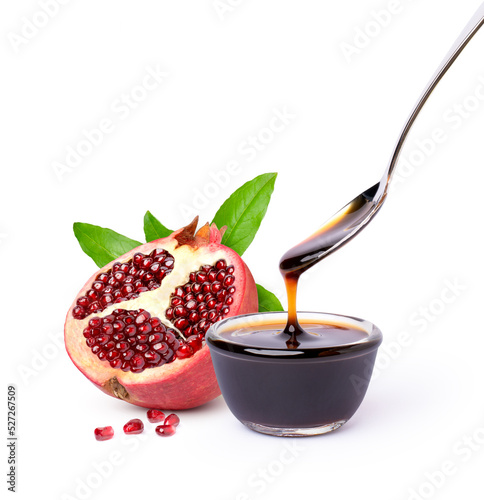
(183, 383)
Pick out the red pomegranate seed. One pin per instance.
(221, 264)
(176, 301)
(181, 323)
(155, 338)
(228, 280)
(94, 307)
(172, 419)
(221, 275)
(155, 322)
(191, 305)
(161, 348)
(193, 317)
(180, 311)
(142, 338)
(184, 351)
(109, 346)
(130, 330)
(165, 430)
(112, 355)
(128, 354)
(116, 363)
(152, 357)
(194, 342)
(201, 277)
(119, 276)
(155, 416)
(103, 433)
(134, 426)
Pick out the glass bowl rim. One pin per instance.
(373, 339)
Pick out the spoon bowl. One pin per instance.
(354, 216)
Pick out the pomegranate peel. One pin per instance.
(137, 327)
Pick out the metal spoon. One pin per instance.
(354, 216)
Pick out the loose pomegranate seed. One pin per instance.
(165, 430)
(103, 433)
(172, 419)
(155, 416)
(134, 426)
(120, 283)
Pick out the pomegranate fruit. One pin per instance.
(137, 327)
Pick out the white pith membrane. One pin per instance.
(187, 259)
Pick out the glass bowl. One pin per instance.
(293, 392)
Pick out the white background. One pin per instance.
(226, 73)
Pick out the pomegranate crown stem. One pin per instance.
(206, 234)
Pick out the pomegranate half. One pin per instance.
(137, 327)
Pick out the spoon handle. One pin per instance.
(464, 38)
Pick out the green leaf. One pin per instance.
(267, 300)
(244, 210)
(101, 244)
(154, 229)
